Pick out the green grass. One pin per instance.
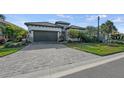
(98, 49)
(7, 51)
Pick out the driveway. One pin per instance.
(41, 57)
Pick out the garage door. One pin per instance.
(45, 36)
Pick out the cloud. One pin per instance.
(94, 17)
(52, 20)
(64, 16)
(90, 18)
(118, 20)
(102, 16)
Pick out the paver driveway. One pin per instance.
(39, 57)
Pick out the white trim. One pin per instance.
(31, 36)
(58, 34)
(42, 28)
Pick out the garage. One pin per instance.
(45, 36)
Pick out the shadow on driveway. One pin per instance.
(43, 45)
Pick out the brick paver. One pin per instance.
(38, 56)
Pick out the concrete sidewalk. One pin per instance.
(72, 68)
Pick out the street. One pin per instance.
(113, 69)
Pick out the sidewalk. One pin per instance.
(72, 68)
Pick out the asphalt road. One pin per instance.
(113, 69)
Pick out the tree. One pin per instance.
(107, 28)
(91, 33)
(91, 30)
(83, 37)
(11, 31)
(73, 33)
(110, 26)
(15, 32)
(2, 17)
(2, 32)
(2, 27)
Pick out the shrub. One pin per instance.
(19, 38)
(8, 44)
(28, 42)
(86, 38)
(61, 38)
(2, 41)
(19, 44)
(13, 45)
(15, 33)
(73, 33)
(117, 42)
(24, 41)
(113, 45)
(82, 36)
(70, 41)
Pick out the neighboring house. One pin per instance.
(1, 34)
(45, 31)
(3, 24)
(2, 28)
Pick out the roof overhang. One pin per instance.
(44, 24)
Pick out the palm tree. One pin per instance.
(108, 27)
(2, 17)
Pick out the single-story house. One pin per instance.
(2, 28)
(46, 31)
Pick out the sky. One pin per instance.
(75, 19)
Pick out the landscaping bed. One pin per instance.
(10, 47)
(7, 51)
(98, 48)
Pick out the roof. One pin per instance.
(76, 27)
(41, 24)
(62, 22)
(53, 25)
(4, 22)
(8, 23)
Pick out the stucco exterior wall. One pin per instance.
(31, 36)
(30, 28)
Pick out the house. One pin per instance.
(2, 28)
(46, 31)
(1, 34)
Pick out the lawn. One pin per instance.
(7, 51)
(98, 48)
